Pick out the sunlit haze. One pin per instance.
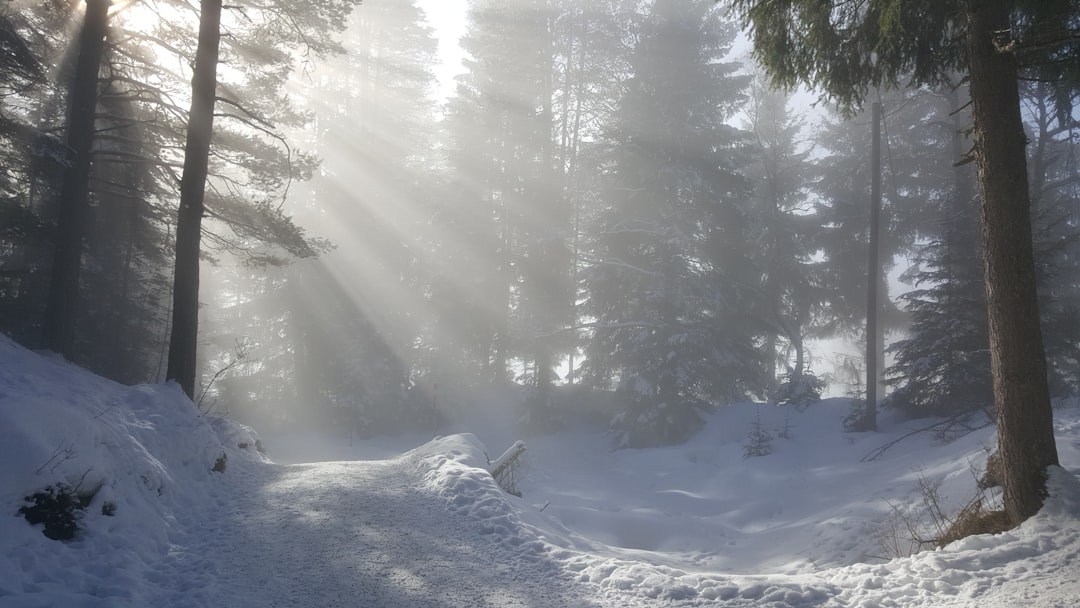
(539, 303)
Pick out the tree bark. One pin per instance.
(1018, 362)
(60, 310)
(185, 326)
(873, 281)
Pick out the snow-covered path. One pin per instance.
(423, 524)
(348, 534)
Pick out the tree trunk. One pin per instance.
(185, 326)
(771, 368)
(59, 326)
(873, 291)
(800, 351)
(1018, 362)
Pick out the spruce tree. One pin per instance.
(847, 52)
(505, 208)
(943, 365)
(668, 285)
(782, 228)
(348, 329)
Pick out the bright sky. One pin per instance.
(448, 19)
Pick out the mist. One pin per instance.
(280, 281)
(610, 217)
(592, 213)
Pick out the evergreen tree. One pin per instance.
(185, 323)
(594, 43)
(848, 51)
(127, 248)
(782, 231)
(511, 218)
(25, 151)
(668, 285)
(943, 365)
(132, 176)
(343, 331)
(916, 172)
(1054, 177)
(74, 205)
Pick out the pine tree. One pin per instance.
(59, 324)
(25, 152)
(251, 116)
(1054, 195)
(185, 322)
(128, 256)
(505, 205)
(758, 439)
(943, 366)
(348, 329)
(668, 285)
(848, 52)
(782, 231)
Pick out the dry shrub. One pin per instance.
(909, 530)
(974, 519)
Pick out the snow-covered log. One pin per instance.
(500, 464)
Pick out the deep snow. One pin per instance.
(411, 522)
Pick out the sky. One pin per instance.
(412, 521)
(448, 19)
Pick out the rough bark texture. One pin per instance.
(185, 325)
(59, 326)
(1021, 394)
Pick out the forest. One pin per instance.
(612, 210)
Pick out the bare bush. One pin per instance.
(909, 529)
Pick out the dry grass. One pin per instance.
(974, 519)
(908, 530)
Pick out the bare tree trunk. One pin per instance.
(873, 287)
(185, 326)
(59, 327)
(1018, 362)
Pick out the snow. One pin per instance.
(411, 521)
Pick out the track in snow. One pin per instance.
(353, 534)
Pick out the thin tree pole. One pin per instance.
(59, 325)
(185, 326)
(873, 275)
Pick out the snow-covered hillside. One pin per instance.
(424, 524)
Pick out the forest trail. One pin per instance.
(348, 534)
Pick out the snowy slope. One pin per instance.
(427, 526)
(144, 447)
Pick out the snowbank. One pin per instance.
(695, 524)
(797, 524)
(143, 452)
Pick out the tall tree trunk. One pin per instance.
(185, 326)
(59, 327)
(873, 285)
(572, 194)
(545, 194)
(1018, 362)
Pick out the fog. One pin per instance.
(609, 216)
(590, 212)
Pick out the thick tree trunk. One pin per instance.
(185, 326)
(59, 326)
(1018, 363)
